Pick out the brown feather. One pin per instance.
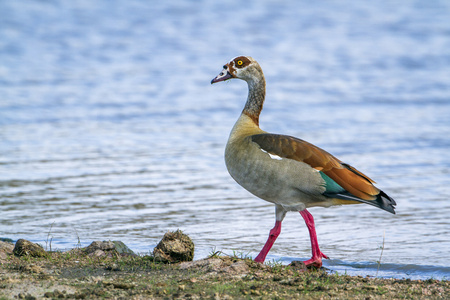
(343, 174)
(354, 185)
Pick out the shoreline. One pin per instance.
(112, 274)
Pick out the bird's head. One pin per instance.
(242, 67)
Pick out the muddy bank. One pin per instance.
(112, 274)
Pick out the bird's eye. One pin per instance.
(240, 62)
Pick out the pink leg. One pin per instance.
(274, 233)
(317, 255)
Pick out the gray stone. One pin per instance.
(99, 248)
(121, 248)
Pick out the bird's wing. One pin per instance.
(350, 179)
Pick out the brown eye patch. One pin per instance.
(241, 62)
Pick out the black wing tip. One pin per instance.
(382, 201)
(385, 202)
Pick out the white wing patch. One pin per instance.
(272, 156)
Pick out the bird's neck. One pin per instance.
(256, 96)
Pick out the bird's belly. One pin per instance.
(289, 183)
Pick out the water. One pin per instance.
(109, 128)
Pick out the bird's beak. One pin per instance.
(224, 75)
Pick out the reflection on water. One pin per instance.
(109, 128)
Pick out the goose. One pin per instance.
(286, 171)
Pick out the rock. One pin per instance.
(174, 247)
(99, 245)
(98, 253)
(99, 248)
(298, 265)
(6, 249)
(24, 247)
(122, 248)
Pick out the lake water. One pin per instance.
(110, 129)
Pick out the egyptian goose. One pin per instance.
(286, 171)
